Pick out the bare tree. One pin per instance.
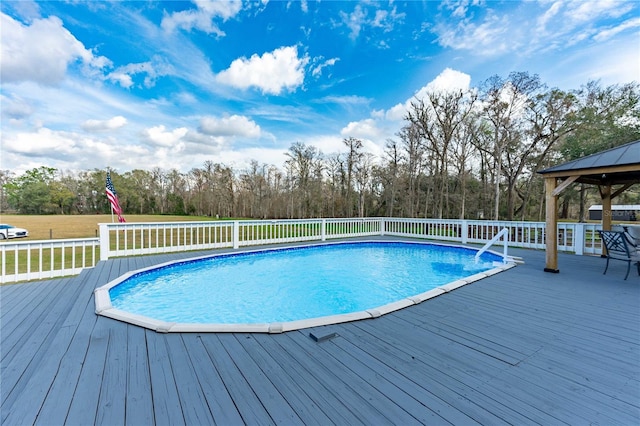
(353, 159)
(437, 117)
(504, 102)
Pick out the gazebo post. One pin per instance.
(551, 237)
(605, 193)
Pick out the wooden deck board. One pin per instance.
(138, 402)
(166, 402)
(325, 398)
(194, 405)
(523, 347)
(214, 391)
(308, 410)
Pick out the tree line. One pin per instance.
(460, 154)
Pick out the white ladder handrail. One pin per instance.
(503, 232)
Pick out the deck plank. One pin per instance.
(304, 407)
(244, 399)
(138, 403)
(326, 398)
(220, 403)
(84, 404)
(166, 402)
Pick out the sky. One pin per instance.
(142, 84)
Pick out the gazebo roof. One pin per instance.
(619, 165)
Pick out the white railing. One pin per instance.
(34, 260)
(53, 258)
(578, 238)
(504, 234)
(132, 239)
(129, 239)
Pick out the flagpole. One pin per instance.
(113, 199)
(111, 205)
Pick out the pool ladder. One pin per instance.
(505, 257)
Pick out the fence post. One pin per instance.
(236, 234)
(323, 230)
(104, 241)
(382, 223)
(578, 239)
(464, 230)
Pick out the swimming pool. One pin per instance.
(290, 288)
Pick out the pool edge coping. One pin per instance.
(105, 308)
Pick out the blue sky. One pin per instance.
(146, 84)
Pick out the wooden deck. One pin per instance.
(520, 347)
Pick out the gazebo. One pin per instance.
(613, 171)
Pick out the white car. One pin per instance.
(10, 231)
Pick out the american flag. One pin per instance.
(113, 199)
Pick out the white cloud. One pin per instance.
(317, 70)
(488, 38)
(449, 80)
(610, 32)
(327, 144)
(235, 125)
(346, 100)
(104, 125)
(67, 150)
(15, 107)
(582, 11)
(203, 16)
(357, 20)
(158, 135)
(363, 129)
(387, 19)
(612, 62)
(459, 7)
(354, 20)
(550, 13)
(41, 52)
(396, 113)
(153, 69)
(271, 73)
(121, 78)
(241, 158)
(531, 28)
(41, 143)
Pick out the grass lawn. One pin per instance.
(77, 226)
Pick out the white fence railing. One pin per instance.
(129, 239)
(34, 260)
(54, 258)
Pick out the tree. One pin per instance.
(413, 148)
(30, 193)
(6, 177)
(389, 177)
(304, 167)
(606, 117)
(353, 160)
(504, 103)
(437, 118)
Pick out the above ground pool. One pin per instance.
(290, 288)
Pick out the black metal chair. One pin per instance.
(621, 248)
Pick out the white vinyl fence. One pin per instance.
(31, 260)
(34, 260)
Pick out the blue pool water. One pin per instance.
(295, 283)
